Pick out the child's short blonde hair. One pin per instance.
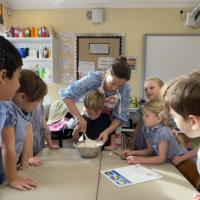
(157, 80)
(157, 107)
(94, 100)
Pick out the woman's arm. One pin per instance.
(113, 126)
(156, 160)
(81, 123)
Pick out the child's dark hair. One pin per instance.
(32, 85)
(121, 69)
(10, 58)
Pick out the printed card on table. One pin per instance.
(130, 175)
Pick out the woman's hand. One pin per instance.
(103, 136)
(81, 124)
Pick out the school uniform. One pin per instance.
(17, 119)
(38, 129)
(3, 110)
(161, 133)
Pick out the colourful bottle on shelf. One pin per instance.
(33, 32)
(36, 32)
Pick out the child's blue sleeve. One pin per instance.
(80, 87)
(123, 116)
(11, 119)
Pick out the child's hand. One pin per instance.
(22, 166)
(127, 153)
(34, 162)
(196, 196)
(177, 160)
(133, 160)
(23, 183)
(54, 146)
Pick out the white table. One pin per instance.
(63, 175)
(172, 185)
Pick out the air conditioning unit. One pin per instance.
(193, 18)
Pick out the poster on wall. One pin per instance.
(132, 62)
(1, 14)
(104, 63)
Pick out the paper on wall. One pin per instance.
(104, 62)
(85, 67)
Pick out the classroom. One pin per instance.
(92, 68)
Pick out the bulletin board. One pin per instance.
(169, 55)
(97, 51)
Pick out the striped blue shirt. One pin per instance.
(163, 133)
(93, 81)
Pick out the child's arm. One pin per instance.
(190, 154)
(9, 161)
(48, 136)
(196, 197)
(145, 152)
(160, 159)
(27, 150)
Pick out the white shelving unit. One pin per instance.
(49, 64)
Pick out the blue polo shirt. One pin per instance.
(161, 133)
(3, 110)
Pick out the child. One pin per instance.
(97, 121)
(161, 143)
(17, 131)
(10, 69)
(113, 84)
(152, 88)
(182, 97)
(41, 131)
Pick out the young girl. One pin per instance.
(161, 142)
(10, 69)
(41, 131)
(113, 84)
(152, 88)
(17, 131)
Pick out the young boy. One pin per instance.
(10, 69)
(97, 121)
(182, 98)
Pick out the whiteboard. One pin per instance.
(167, 56)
